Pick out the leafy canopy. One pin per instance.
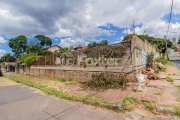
(94, 44)
(18, 45)
(43, 40)
(158, 43)
(7, 58)
(28, 58)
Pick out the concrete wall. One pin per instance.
(138, 47)
(80, 75)
(131, 64)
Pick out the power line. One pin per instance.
(170, 18)
(168, 30)
(133, 26)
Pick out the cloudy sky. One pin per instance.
(78, 22)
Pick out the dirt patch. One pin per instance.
(170, 70)
(6, 82)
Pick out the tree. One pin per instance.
(7, 58)
(43, 40)
(28, 58)
(104, 42)
(64, 49)
(18, 45)
(158, 43)
(94, 44)
(33, 46)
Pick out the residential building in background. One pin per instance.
(54, 48)
(174, 41)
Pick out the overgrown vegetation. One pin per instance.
(177, 108)
(95, 44)
(106, 81)
(29, 49)
(129, 103)
(99, 102)
(169, 79)
(158, 43)
(7, 58)
(150, 59)
(178, 99)
(28, 58)
(150, 106)
(164, 61)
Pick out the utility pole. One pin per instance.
(144, 32)
(126, 31)
(166, 47)
(133, 27)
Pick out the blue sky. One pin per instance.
(74, 23)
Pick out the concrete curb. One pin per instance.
(166, 109)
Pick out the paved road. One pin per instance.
(20, 102)
(175, 59)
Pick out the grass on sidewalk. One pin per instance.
(169, 79)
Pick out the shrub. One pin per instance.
(129, 103)
(150, 106)
(150, 59)
(164, 61)
(169, 79)
(106, 81)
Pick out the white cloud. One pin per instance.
(81, 19)
(119, 39)
(67, 42)
(2, 40)
(2, 52)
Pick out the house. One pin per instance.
(80, 48)
(7, 66)
(174, 41)
(54, 48)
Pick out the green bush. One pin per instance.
(102, 81)
(164, 61)
(150, 59)
(129, 103)
(169, 79)
(150, 106)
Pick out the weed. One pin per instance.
(62, 80)
(161, 69)
(138, 91)
(72, 82)
(177, 108)
(169, 79)
(164, 61)
(150, 106)
(106, 81)
(158, 93)
(64, 95)
(178, 99)
(129, 103)
(149, 59)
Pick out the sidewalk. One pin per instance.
(159, 91)
(21, 102)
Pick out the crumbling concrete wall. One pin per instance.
(80, 75)
(140, 48)
(131, 63)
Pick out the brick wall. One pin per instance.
(73, 74)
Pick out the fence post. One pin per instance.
(45, 60)
(53, 59)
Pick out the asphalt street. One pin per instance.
(175, 59)
(20, 102)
